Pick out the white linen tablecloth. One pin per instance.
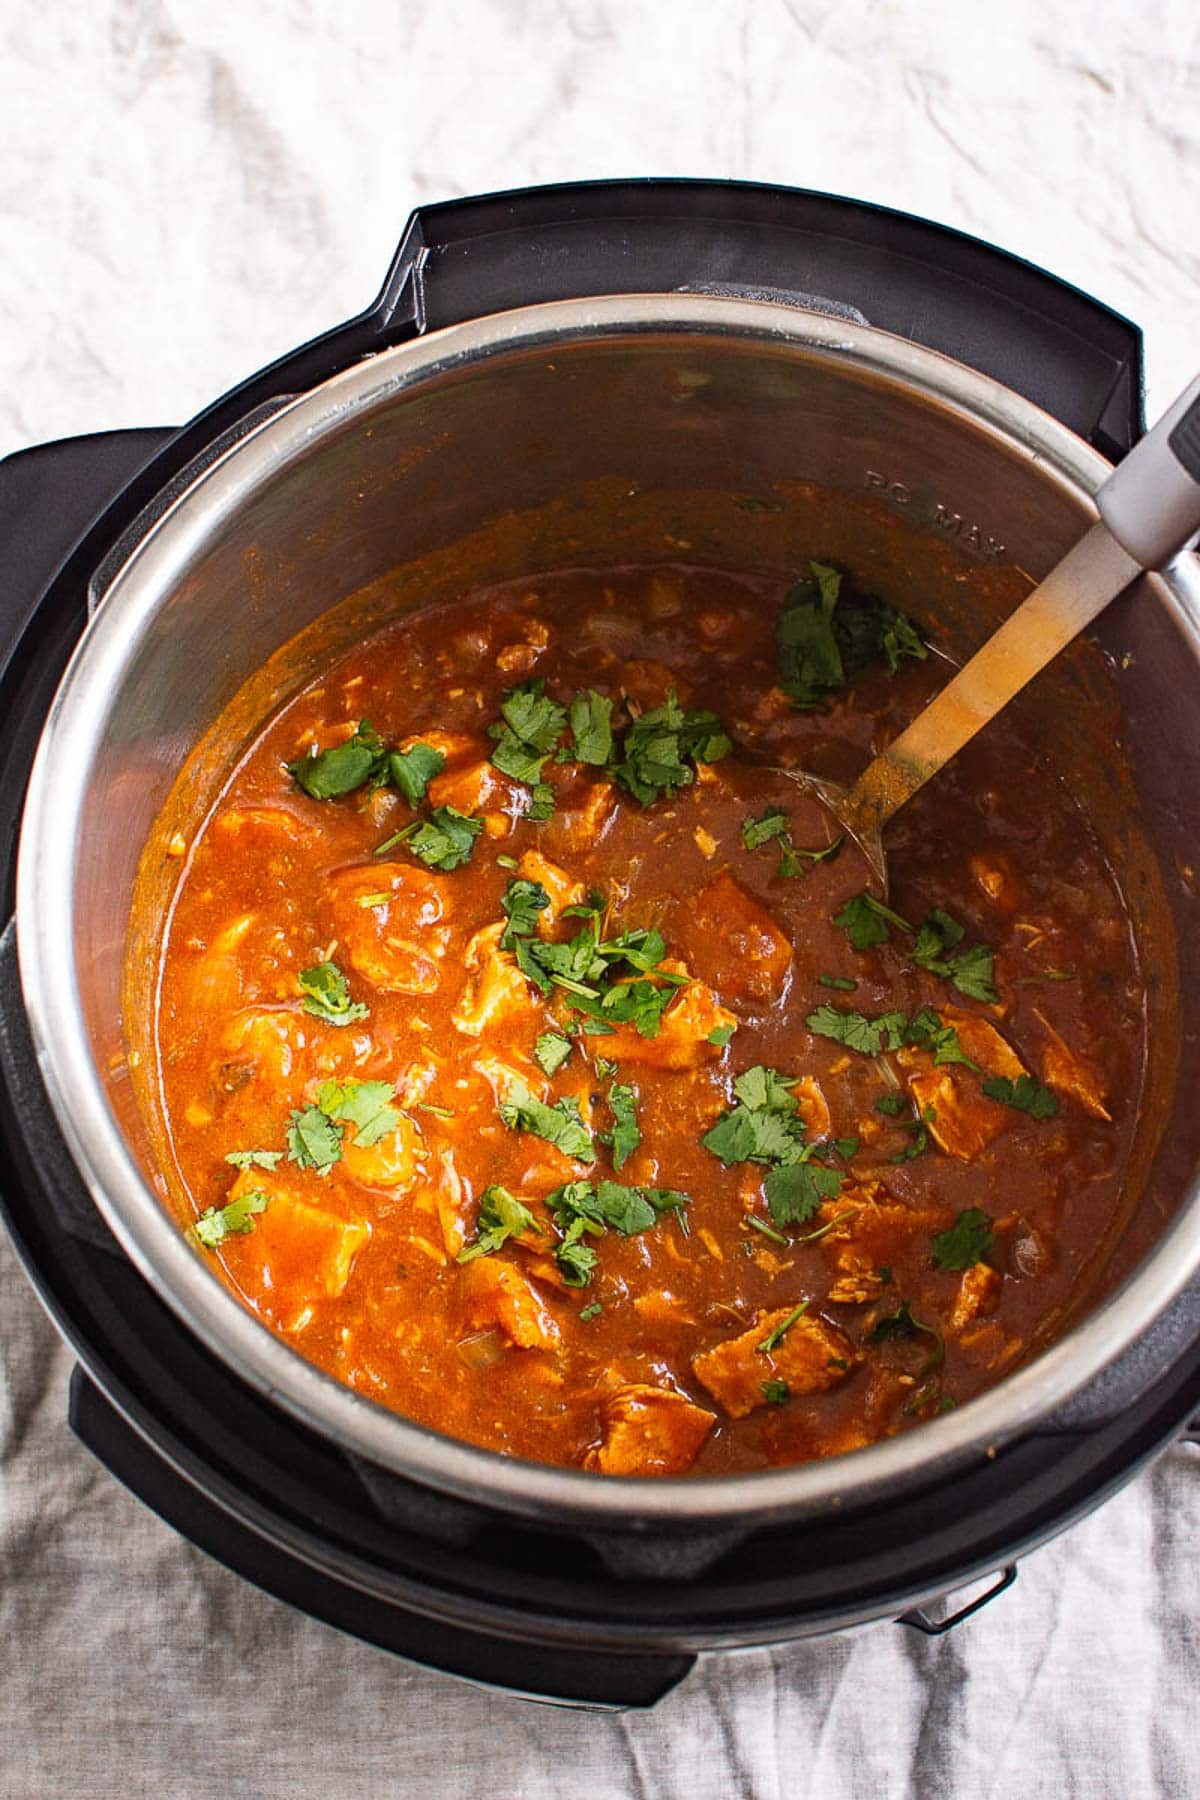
(186, 190)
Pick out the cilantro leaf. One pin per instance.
(776, 1393)
(891, 1104)
(215, 1224)
(967, 1242)
(327, 995)
(313, 1140)
(551, 1052)
(867, 921)
(588, 1313)
(1025, 1094)
(869, 1037)
(255, 1159)
(772, 824)
(928, 1032)
(581, 1209)
(443, 841)
(327, 774)
(825, 638)
(521, 903)
(662, 747)
(529, 728)
(364, 1104)
(590, 717)
(626, 1134)
(413, 769)
(560, 1124)
(971, 971)
(795, 1191)
(501, 1216)
(720, 1035)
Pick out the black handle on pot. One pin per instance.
(462, 259)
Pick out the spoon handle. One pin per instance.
(1149, 509)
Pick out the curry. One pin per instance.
(539, 1061)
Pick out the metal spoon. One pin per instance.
(1149, 510)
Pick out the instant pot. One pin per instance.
(539, 371)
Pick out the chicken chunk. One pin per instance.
(296, 1251)
(263, 824)
(1067, 1073)
(393, 1162)
(649, 1431)
(684, 1033)
(812, 1356)
(994, 876)
(961, 1120)
(497, 1294)
(733, 943)
(813, 1107)
(978, 1292)
(496, 990)
(389, 919)
(261, 1043)
(562, 888)
(583, 818)
(478, 789)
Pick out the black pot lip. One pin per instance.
(136, 1217)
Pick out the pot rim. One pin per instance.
(51, 827)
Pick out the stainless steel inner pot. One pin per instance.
(552, 413)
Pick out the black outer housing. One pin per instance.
(444, 1582)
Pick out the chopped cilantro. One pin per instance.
(327, 774)
(551, 1052)
(769, 1231)
(826, 640)
(255, 1159)
(856, 1031)
(814, 1237)
(795, 1191)
(541, 805)
(413, 769)
(438, 1112)
(792, 860)
(590, 717)
(661, 749)
(531, 725)
(364, 1104)
(867, 921)
(602, 976)
(215, 1224)
(891, 1104)
(582, 1209)
(774, 1338)
(772, 824)
(501, 1216)
(765, 1126)
(967, 1242)
(928, 1032)
(560, 1124)
(327, 995)
(846, 1147)
(720, 1035)
(313, 1140)
(1026, 1094)
(443, 841)
(842, 983)
(625, 1135)
(521, 903)
(507, 862)
(776, 1393)
(903, 1323)
(591, 1312)
(917, 1147)
(971, 971)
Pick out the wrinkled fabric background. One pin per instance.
(186, 190)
